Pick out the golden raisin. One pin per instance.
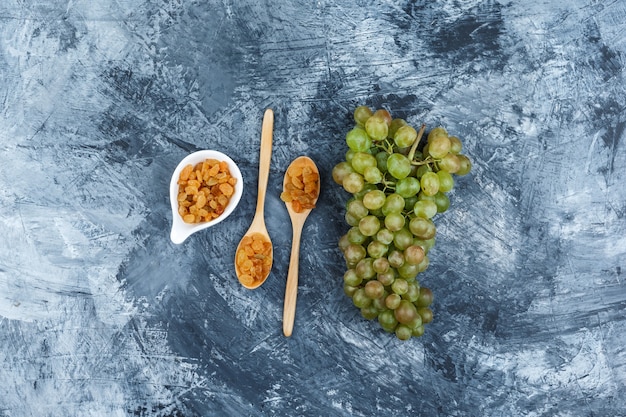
(199, 196)
(301, 188)
(254, 258)
(227, 189)
(184, 174)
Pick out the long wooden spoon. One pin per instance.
(257, 228)
(298, 217)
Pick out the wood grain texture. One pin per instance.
(101, 315)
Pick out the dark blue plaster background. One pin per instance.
(101, 315)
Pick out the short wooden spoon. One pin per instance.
(297, 223)
(258, 222)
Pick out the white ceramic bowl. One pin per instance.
(181, 230)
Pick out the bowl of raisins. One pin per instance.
(205, 189)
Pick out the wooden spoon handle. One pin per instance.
(265, 158)
(291, 290)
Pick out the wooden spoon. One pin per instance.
(258, 222)
(297, 223)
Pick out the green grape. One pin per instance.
(343, 243)
(355, 236)
(465, 165)
(421, 170)
(408, 187)
(361, 114)
(385, 236)
(405, 136)
(422, 228)
(429, 183)
(374, 199)
(392, 301)
(380, 265)
(362, 160)
(360, 299)
(403, 332)
(394, 203)
(370, 312)
(379, 302)
(423, 197)
(351, 278)
(387, 319)
(426, 244)
(357, 208)
(405, 313)
(373, 175)
(389, 329)
(395, 125)
(376, 249)
(394, 222)
(400, 286)
(402, 239)
(450, 163)
(446, 182)
(398, 165)
(381, 161)
(425, 298)
(349, 154)
(408, 271)
(418, 331)
(353, 182)
(455, 144)
(374, 289)
(340, 171)
(423, 266)
(358, 140)
(425, 208)
(385, 115)
(349, 290)
(354, 253)
(442, 201)
(366, 189)
(439, 146)
(436, 132)
(412, 293)
(386, 278)
(426, 314)
(409, 203)
(416, 322)
(395, 258)
(369, 225)
(365, 269)
(376, 127)
(378, 213)
(414, 254)
(351, 219)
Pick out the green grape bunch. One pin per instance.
(398, 182)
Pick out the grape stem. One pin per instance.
(386, 146)
(416, 143)
(388, 185)
(426, 161)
